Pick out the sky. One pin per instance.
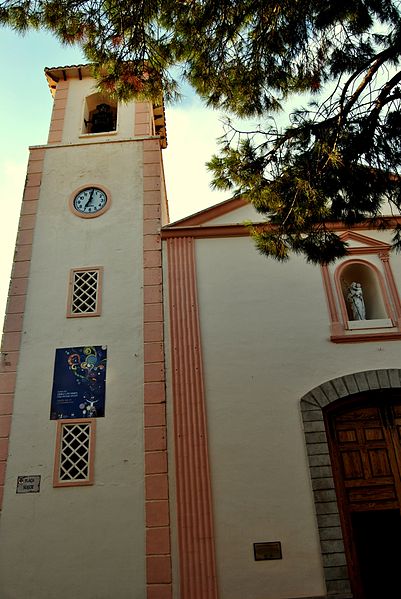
(25, 109)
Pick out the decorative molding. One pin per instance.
(327, 513)
(207, 231)
(194, 503)
(185, 228)
(368, 245)
(356, 337)
(95, 142)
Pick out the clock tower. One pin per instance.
(83, 454)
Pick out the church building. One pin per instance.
(181, 418)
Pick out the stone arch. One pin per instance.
(328, 519)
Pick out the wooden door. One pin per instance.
(365, 444)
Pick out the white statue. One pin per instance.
(356, 302)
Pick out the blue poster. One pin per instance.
(79, 382)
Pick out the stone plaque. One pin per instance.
(267, 551)
(28, 484)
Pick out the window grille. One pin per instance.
(74, 453)
(84, 296)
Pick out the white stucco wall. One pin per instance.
(81, 541)
(265, 341)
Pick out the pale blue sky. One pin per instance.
(25, 109)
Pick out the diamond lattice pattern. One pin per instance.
(85, 291)
(74, 458)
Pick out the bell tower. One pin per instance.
(83, 454)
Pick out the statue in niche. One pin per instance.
(356, 301)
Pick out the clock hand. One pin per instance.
(90, 198)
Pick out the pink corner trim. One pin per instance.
(13, 323)
(143, 117)
(157, 513)
(58, 114)
(157, 541)
(155, 462)
(159, 591)
(158, 559)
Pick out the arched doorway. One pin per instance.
(364, 435)
(352, 430)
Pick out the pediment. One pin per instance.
(232, 211)
(363, 244)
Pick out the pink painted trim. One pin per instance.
(189, 227)
(58, 113)
(11, 341)
(331, 302)
(361, 337)
(369, 245)
(194, 502)
(98, 310)
(379, 277)
(57, 454)
(206, 231)
(157, 507)
(391, 284)
(143, 119)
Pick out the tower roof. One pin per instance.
(74, 71)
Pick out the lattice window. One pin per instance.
(74, 453)
(85, 292)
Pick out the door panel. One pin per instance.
(365, 450)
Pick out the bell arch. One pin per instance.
(325, 499)
(100, 114)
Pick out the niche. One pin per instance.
(100, 114)
(363, 296)
(380, 315)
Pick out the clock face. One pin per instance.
(90, 201)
